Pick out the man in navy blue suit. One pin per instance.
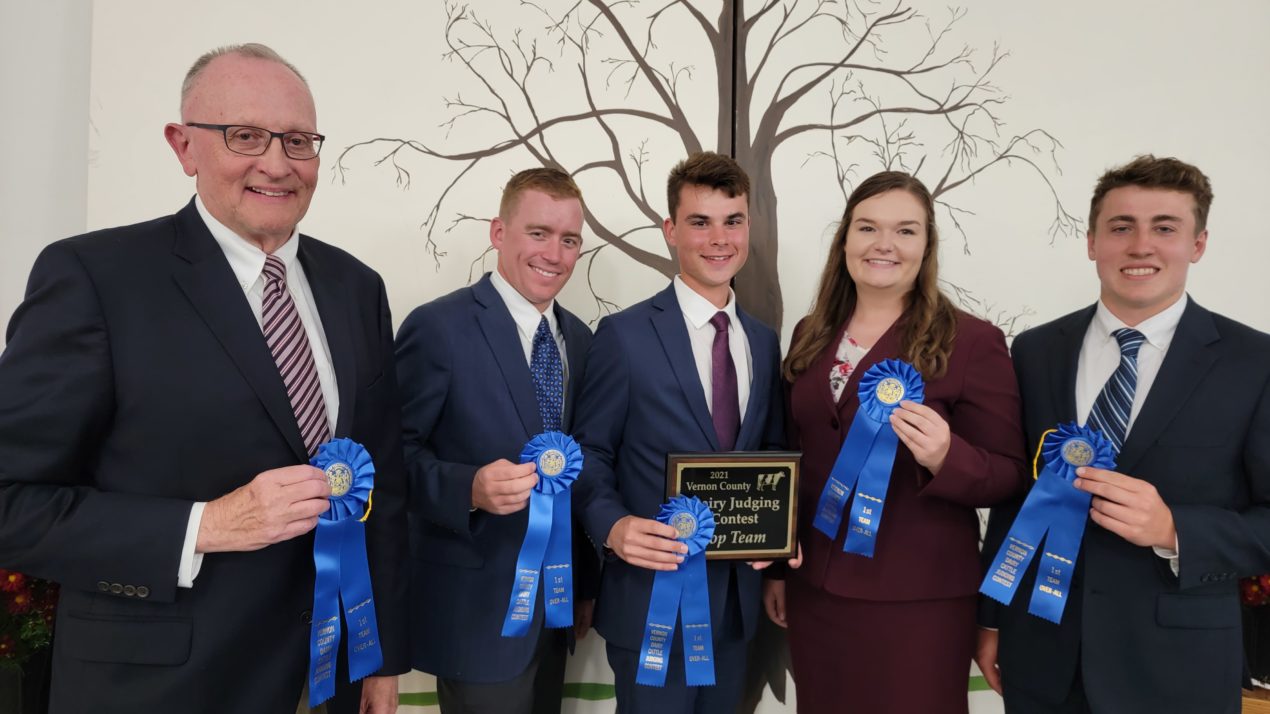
(470, 404)
(1152, 623)
(685, 370)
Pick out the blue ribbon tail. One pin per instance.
(558, 566)
(694, 605)
(324, 636)
(365, 657)
(520, 607)
(870, 494)
(659, 627)
(1058, 559)
(845, 472)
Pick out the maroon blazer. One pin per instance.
(928, 542)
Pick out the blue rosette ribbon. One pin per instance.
(546, 553)
(342, 587)
(1054, 512)
(864, 462)
(682, 592)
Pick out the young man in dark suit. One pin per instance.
(474, 367)
(162, 391)
(657, 383)
(1152, 621)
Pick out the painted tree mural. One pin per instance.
(871, 85)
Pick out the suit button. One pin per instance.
(143, 591)
(116, 589)
(103, 586)
(833, 424)
(130, 590)
(307, 617)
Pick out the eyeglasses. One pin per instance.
(254, 141)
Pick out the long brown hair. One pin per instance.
(929, 322)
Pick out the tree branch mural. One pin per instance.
(890, 90)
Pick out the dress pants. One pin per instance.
(676, 697)
(537, 690)
(1021, 702)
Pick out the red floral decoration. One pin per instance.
(27, 606)
(1255, 591)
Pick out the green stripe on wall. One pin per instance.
(590, 691)
(418, 699)
(597, 692)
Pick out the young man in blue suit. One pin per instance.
(685, 370)
(470, 404)
(1152, 623)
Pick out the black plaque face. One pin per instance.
(753, 496)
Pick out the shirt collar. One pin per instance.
(1157, 329)
(699, 310)
(245, 258)
(524, 314)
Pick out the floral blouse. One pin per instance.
(847, 357)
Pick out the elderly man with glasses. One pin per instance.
(162, 392)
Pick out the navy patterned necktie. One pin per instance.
(1111, 410)
(548, 373)
(289, 344)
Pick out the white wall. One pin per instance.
(44, 75)
(1109, 80)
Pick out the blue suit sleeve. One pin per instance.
(440, 490)
(599, 426)
(57, 401)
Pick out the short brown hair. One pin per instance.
(1167, 173)
(249, 49)
(706, 168)
(553, 182)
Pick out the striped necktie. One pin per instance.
(548, 373)
(1110, 414)
(289, 343)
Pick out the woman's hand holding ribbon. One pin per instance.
(1129, 507)
(646, 543)
(924, 432)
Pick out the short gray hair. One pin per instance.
(249, 49)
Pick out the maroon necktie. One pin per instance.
(725, 410)
(289, 344)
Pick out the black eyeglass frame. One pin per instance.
(281, 136)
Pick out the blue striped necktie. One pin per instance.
(1110, 414)
(548, 374)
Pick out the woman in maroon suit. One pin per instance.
(895, 632)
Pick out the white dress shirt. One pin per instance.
(1100, 356)
(247, 261)
(527, 317)
(697, 313)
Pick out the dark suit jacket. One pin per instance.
(642, 399)
(135, 382)
(468, 400)
(1146, 640)
(928, 545)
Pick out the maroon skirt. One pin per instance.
(877, 657)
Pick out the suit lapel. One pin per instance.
(760, 382)
(575, 353)
(1185, 364)
(334, 305)
(504, 342)
(204, 275)
(1063, 357)
(669, 324)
